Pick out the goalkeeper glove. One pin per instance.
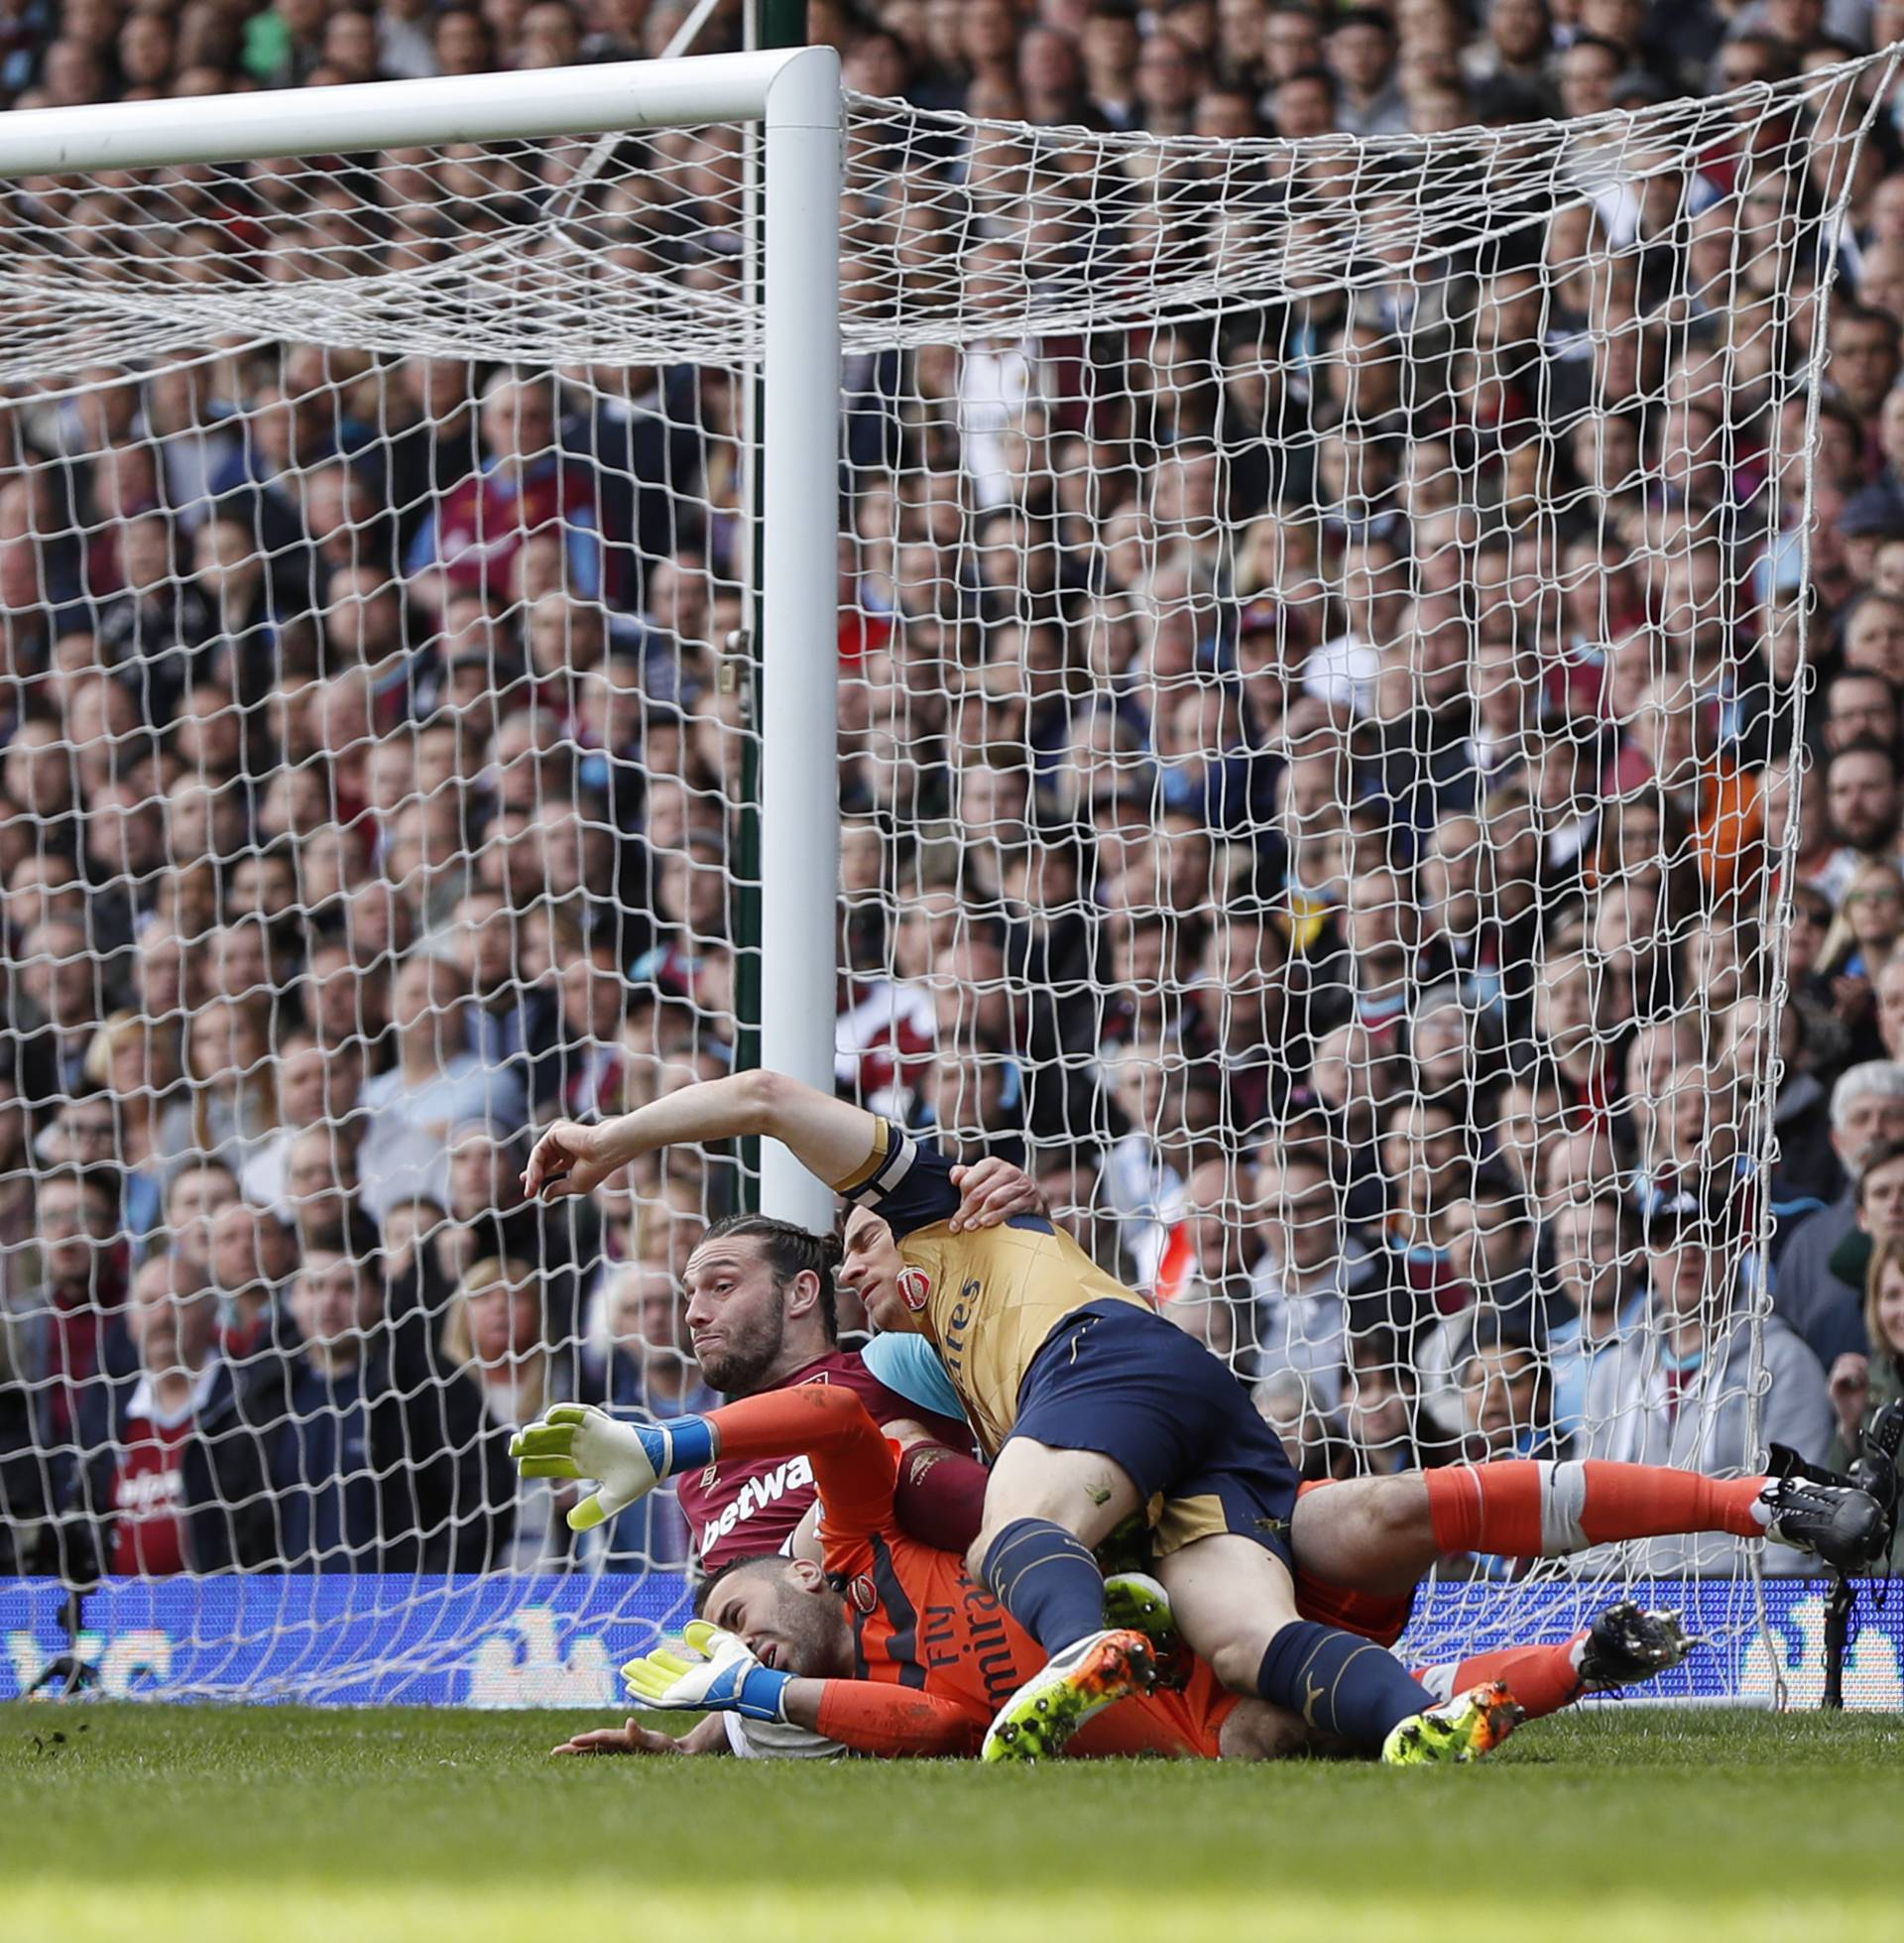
(628, 1460)
(723, 1677)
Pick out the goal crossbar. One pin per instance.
(783, 88)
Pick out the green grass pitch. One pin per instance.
(279, 1824)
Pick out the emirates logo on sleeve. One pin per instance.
(915, 1288)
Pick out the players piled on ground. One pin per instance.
(1094, 1416)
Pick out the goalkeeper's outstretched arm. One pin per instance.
(853, 1464)
(872, 1717)
(830, 1138)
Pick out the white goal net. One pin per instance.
(1322, 670)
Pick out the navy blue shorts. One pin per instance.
(1116, 1379)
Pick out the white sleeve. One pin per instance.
(776, 1741)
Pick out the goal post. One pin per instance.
(791, 92)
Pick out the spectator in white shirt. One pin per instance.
(1681, 1391)
(435, 1083)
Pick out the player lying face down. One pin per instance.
(792, 1618)
(792, 1621)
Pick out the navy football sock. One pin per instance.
(1048, 1582)
(1339, 1683)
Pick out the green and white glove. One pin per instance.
(722, 1677)
(628, 1460)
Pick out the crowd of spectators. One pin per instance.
(1321, 774)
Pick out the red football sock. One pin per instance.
(1523, 1508)
(1543, 1679)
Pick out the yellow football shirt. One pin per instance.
(990, 1298)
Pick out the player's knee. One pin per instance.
(994, 1520)
(1238, 1661)
(1397, 1509)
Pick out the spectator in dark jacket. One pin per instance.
(371, 1460)
(1868, 1106)
(56, 1001)
(73, 1345)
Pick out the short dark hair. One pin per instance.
(1600, 43)
(789, 1250)
(93, 1183)
(1373, 17)
(1845, 675)
(1779, 56)
(1881, 1156)
(201, 1164)
(1855, 312)
(347, 1245)
(1866, 745)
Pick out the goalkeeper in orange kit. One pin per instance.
(888, 1647)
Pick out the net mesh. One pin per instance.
(1322, 635)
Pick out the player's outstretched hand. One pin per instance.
(566, 1161)
(631, 1738)
(717, 1672)
(990, 1191)
(575, 1440)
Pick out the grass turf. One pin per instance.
(287, 1824)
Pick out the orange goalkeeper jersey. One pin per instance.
(920, 1625)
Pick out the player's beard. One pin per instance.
(738, 1366)
(815, 1632)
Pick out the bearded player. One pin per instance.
(1090, 1406)
(760, 1316)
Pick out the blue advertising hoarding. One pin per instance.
(557, 1642)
